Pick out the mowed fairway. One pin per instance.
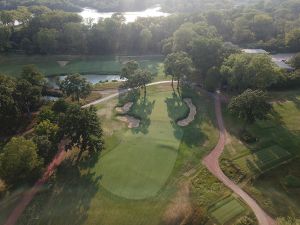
(140, 165)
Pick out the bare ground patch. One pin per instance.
(124, 109)
(180, 208)
(131, 121)
(63, 63)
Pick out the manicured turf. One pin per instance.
(101, 65)
(226, 210)
(140, 165)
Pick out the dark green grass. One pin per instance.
(101, 65)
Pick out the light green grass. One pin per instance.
(227, 210)
(101, 65)
(140, 165)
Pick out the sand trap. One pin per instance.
(63, 63)
(131, 121)
(191, 117)
(124, 109)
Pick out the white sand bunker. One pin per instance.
(125, 108)
(191, 117)
(130, 120)
(63, 63)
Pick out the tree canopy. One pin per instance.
(250, 106)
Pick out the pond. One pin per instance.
(154, 11)
(92, 78)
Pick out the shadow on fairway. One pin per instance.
(65, 200)
(177, 110)
(142, 109)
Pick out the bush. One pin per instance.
(19, 161)
(246, 220)
(247, 137)
(2, 188)
(60, 106)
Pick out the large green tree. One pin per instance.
(179, 65)
(76, 87)
(82, 127)
(19, 161)
(9, 111)
(242, 71)
(250, 106)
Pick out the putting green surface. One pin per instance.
(139, 166)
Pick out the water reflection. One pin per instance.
(155, 11)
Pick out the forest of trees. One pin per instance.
(42, 30)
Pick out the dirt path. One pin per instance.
(28, 196)
(211, 161)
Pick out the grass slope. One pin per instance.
(101, 65)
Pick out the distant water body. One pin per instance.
(155, 11)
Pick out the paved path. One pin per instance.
(211, 161)
(29, 195)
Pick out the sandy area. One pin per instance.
(63, 63)
(125, 108)
(131, 121)
(191, 117)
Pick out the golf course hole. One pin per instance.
(139, 164)
(191, 117)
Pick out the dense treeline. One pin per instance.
(41, 30)
(76, 5)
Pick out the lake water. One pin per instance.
(155, 11)
(94, 79)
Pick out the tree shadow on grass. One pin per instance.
(142, 110)
(65, 200)
(191, 135)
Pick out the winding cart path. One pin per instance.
(211, 162)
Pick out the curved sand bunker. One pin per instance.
(191, 117)
(130, 120)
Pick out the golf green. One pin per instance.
(139, 166)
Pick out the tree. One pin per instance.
(250, 106)
(292, 40)
(183, 37)
(9, 111)
(263, 26)
(33, 75)
(242, 71)
(46, 40)
(46, 139)
(207, 53)
(296, 61)
(27, 96)
(179, 65)
(19, 161)
(212, 79)
(139, 79)
(129, 69)
(86, 133)
(75, 86)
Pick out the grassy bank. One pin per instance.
(53, 65)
